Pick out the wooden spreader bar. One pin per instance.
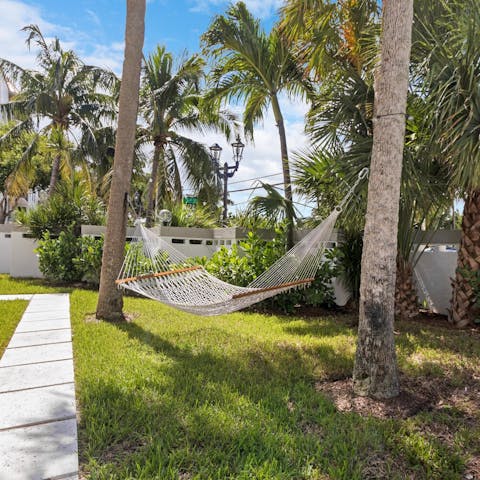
(159, 274)
(276, 287)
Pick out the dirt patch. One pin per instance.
(416, 395)
(472, 471)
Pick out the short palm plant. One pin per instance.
(450, 64)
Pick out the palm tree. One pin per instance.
(172, 107)
(110, 302)
(327, 33)
(255, 67)
(451, 67)
(340, 125)
(323, 174)
(272, 207)
(62, 97)
(375, 370)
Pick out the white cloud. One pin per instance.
(16, 14)
(262, 157)
(260, 8)
(94, 17)
(106, 56)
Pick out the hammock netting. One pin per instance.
(155, 269)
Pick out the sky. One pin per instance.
(95, 30)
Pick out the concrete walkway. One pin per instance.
(38, 427)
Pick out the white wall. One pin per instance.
(5, 252)
(434, 272)
(23, 259)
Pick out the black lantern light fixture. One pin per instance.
(238, 147)
(216, 152)
(226, 171)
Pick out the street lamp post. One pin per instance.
(227, 171)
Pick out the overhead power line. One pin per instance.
(256, 178)
(254, 188)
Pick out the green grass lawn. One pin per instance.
(175, 396)
(9, 285)
(11, 312)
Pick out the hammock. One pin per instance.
(155, 269)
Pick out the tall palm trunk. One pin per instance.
(3, 209)
(152, 185)
(468, 258)
(375, 371)
(406, 299)
(285, 168)
(54, 176)
(110, 301)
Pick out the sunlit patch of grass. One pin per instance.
(9, 285)
(11, 312)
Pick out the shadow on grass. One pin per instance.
(207, 413)
(231, 409)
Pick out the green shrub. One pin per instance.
(89, 261)
(68, 208)
(68, 258)
(240, 265)
(349, 254)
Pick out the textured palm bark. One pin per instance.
(152, 186)
(285, 167)
(406, 299)
(54, 175)
(3, 211)
(463, 300)
(110, 301)
(375, 371)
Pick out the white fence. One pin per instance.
(433, 271)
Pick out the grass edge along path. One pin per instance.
(11, 312)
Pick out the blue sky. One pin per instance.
(95, 30)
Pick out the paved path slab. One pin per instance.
(39, 452)
(38, 405)
(38, 428)
(35, 375)
(40, 353)
(40, 325)
(29, 339)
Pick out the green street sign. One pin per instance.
(190, 200)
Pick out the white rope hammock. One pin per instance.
(155, 269)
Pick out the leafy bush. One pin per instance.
(69, 258)
(349, 254)
(241, 264)
(89, 260)
(68, 208)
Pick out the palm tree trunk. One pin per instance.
(152, 186)
(285, 168)
(110, 301)
(3, 209)
(463, 300)
(406, 300)
(54, 175)
(375, 371)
